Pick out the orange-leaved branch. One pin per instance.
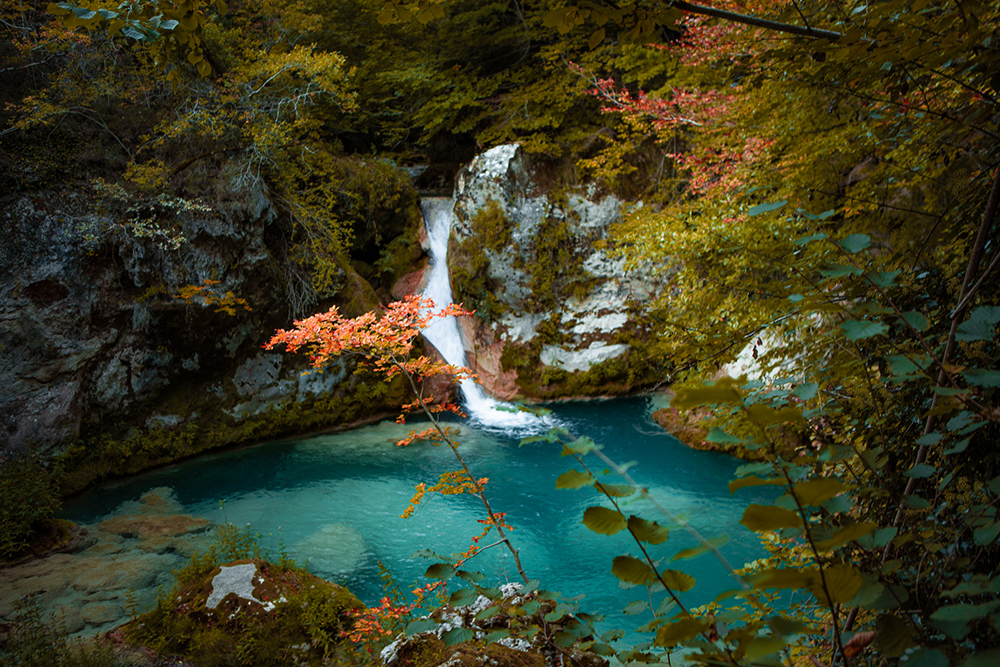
(384, 339)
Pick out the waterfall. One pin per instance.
(443, 333)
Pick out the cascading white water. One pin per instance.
(443, 333)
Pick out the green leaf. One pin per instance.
(463, 597)
(647, 531)
(631, 570)
(981, 324)
(753, 480)
(678, 631)
(884, 535)
(635, 607)
(987, 534)
(845, 535)
(856, 243)
(867, 595)
(614, 490)
(959, 421)
(860, 329)
(457, 636)
(834, 270)
(715, 543)
(927, 657)
(883, 279)
(556, 614)
(818, 490)
(581, 445)
(766, 208)
(471, 577)
(916, 320)
(915, 502)
(806, 391)
(676, 580)
(82, 12)
(133, 33)
(929, 439)
(982, 378)
(958, 447)
(903, 367)
(603, 521)
(718, 435)
(921, 471)
(963, 613)
(422, 625)
(809, 239)
(496, 635)
(489, 612)
(572, 479)
(440, 571)
(768, 517)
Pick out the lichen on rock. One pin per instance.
(530, 260)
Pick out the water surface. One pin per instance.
(334, 501)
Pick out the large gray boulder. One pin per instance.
(530, 259)
(97, 339)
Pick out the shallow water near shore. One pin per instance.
(333, 501)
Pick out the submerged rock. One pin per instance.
(334, 549)
(114, 572)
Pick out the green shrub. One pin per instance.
(30, 498)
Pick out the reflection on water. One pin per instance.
(335, 500)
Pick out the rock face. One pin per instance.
(97, 337)
(552, 305)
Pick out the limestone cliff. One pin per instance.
(557, 313)
(99, 349)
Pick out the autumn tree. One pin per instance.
(830, 184)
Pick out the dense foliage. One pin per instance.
(828, 207)
(824, 199)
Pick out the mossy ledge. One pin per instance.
(362, 399)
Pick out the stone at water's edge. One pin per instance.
(485, 361)
(122, 561)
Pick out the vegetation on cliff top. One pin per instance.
(828, 195)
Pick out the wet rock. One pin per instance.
(113, 572)
(101, 613)
(336, 548)
(68, 618)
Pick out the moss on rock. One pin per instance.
(281, 615)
